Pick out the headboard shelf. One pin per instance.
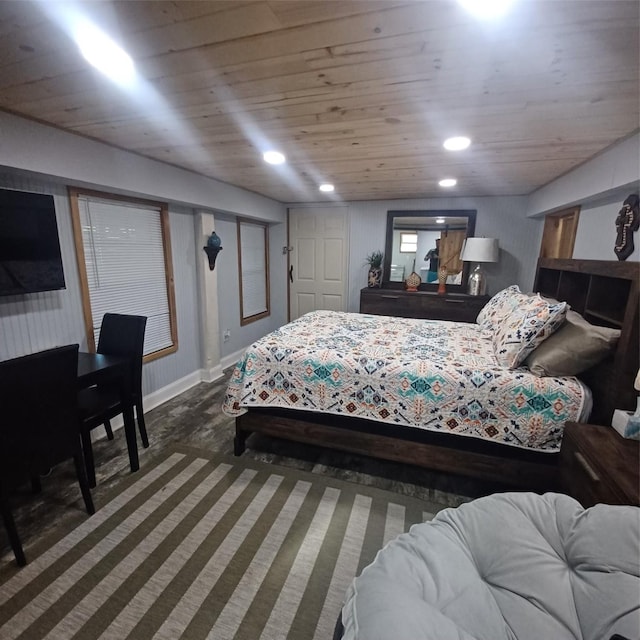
(605, 292)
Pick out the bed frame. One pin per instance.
(604, 292)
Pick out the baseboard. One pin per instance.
(211, 375)
(232, 359)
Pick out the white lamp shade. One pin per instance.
(636, 384)
(480, 250)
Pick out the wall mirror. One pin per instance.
(411, 246)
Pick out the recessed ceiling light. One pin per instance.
(486, 9)
(448, 182)
(458, 143)
(104, 54)
(440, 220)
(326, 187)
(274, 157)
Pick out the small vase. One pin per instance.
(442, 280)
(375, 277)
(413, 281)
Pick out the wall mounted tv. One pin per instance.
(30, 257)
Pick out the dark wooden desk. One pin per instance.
(94, 368)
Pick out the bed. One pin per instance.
(433, 393)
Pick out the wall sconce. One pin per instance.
(213, 248)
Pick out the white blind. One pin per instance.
(254, 269)
(124, 257)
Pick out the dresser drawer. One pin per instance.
(597, 465)
(585, 482)
(421, 304)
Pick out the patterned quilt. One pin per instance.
(427, 374)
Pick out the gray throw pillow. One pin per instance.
(575, 347)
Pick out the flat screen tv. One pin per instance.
(30, 257)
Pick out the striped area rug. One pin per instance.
(200, 545)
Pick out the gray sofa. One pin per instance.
(512, 566)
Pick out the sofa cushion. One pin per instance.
(512, 566)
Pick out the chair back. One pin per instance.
(123, 335)
(38, 411)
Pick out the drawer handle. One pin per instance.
(453, 301)
(390, 297)
(587, 467)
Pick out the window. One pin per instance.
(253, 266)
(124, 259)
(408, 242)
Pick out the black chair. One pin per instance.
(38, 425)
(120, 335)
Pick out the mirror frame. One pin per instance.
(470, 214)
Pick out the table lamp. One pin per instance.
(479, 250)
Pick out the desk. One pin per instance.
(94, 368)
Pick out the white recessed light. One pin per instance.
(458, 143)
(486, 9)
(448, 182)
(104, 54)
(440, 220)
(273, 157)
(326, 187)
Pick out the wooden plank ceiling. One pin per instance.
(360, 93)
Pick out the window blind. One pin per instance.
(124, 258)
(254, 269)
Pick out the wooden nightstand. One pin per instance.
(598, 465)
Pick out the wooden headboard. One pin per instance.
(605, 292)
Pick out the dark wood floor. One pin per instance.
(195, 418)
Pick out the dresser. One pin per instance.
(455, 307)
(599, 465)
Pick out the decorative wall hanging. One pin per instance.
(627, 222)
(213, 248)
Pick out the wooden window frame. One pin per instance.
(263, 314)
(74, 194)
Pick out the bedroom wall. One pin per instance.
(38, 321)
(596, 234)
(228, 289)
(503, 218)
(37, 148)
(599, 186)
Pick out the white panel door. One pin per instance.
(318, 260)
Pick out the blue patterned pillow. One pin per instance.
(501, 305)
(527, 326)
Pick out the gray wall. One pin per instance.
(39, 321)
(41, 159)
(596, 234)
(37, 148)
(614, 169)
(229, 287)
(503, 218)
(37, 158)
